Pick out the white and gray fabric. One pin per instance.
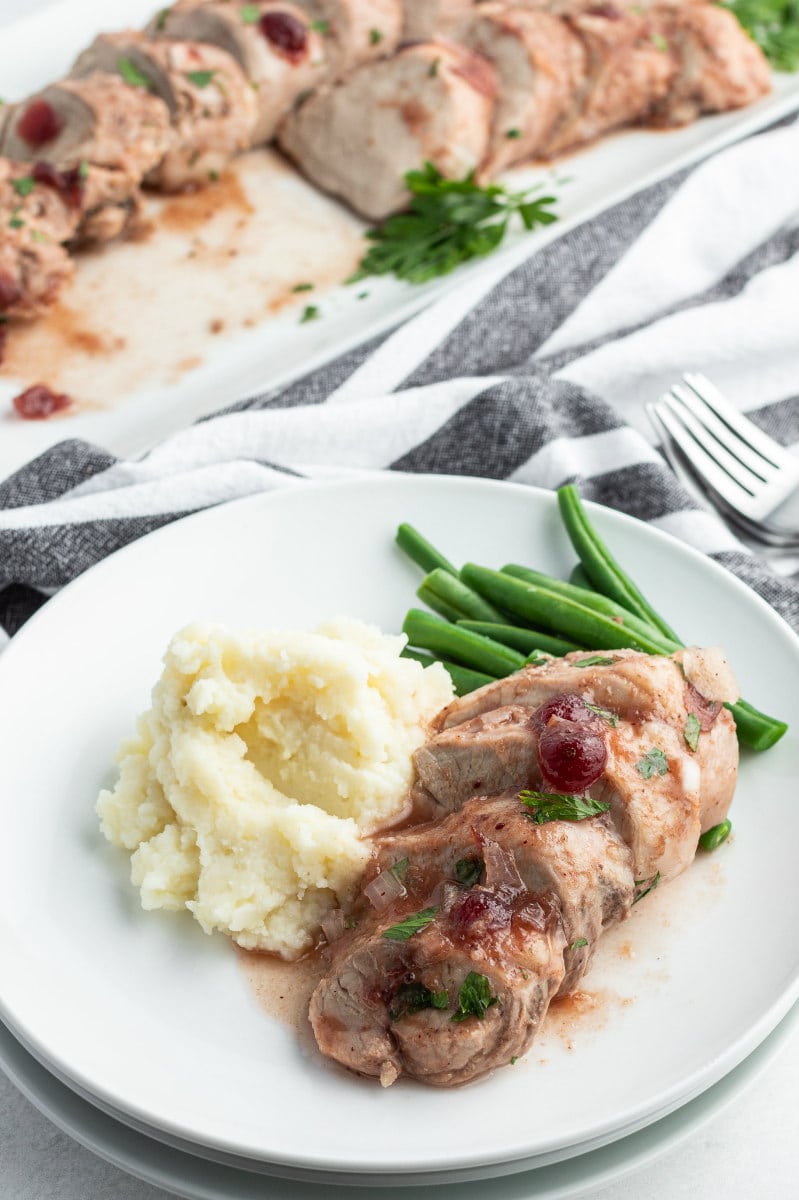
(539, 376)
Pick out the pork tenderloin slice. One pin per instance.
(101, 121)
(489, 754)
(718, 66)
(35, 205)
(585, 864)
(280, 53)
(33, 270)
(356, 31)
(427, 19)
(515, 942)
(431, 102)
(628, 74)
(540, 64)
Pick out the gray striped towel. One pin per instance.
(538, 375)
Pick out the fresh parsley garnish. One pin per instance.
(595, 660)
(250, 13)
(654, 762)
(200, 79)
(712, 838)
(469, 870)
(375, 37)
(514, 1060)
(361, 295)
(414, 997)
(309, 313)
(24, 186)
(83, 169)
(400, 868)
(432, 70)
(551, 806)
(303, 287)
(213, 176)
(132, 75)
(691, 730)
(651, 884)
(774, 25)
(448, 222)
(15, 221)
(660, 43)
(474, 998)
(604, 713)
(160, 20)
(38, 236)
(322, 27)
(578, 945)
(411, 925)
(513, 133)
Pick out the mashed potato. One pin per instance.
(263, 759)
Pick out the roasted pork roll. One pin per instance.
(431, 102)
(33, 270)
(356, 31)
(211, 105)
(275, 45)
(426, 19)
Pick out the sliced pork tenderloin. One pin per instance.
(355, 31)
(428, 19)
(540, 62)
(275, 45)
(33, 270)
(431, 102)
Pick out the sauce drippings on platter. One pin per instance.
(283, 989)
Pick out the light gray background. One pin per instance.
(751, 1150)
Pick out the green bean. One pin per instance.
(559, 613)
(712, 838)
(420, 551)
(454, 592)
(578, 577)
(527, 641)
(466, 648)
(434, 601)
(600, 566)
(756, 729)
(463, 679)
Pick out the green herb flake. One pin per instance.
(411, 925)
(309, 313)
(361, 295)
(432, 70)
(160, 20)
(578, 945)
(132, 75)
(375, 37)
(83, 170)
(322, 27)
(400, 868)
(448, 222)
(514, 1060)
(552, 806)
(200, 79)
(15, 221)
(474, 998)
(691, 730)
(660, 43)
(303, 287)
(415, 997)
(513, 133)
(604, 713)
(469, 870)
(38, 236)
(654, 762)
(651, 884)
(24, 186)
(250, 14)
(595, 660)
(712, 838)
(350, 923)
(213, 176)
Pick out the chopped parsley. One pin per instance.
(400, 868)
(712, 838)
(774, 25)
(303, 287)
(83, 169)
(432, 70)
(361, 295)
(38, 236)
(309, 313)
(413, 998)
(213, 176)
(604, 713)
(200, 79)
(651, 884)
(578, 945)
(595, 660)
(660, 43)
(15, 221)
(250, 14)
(24, 186)
(514, 1060)
(160, 20)
(411, 925)
(132, 75)
(474, 998)
(513, 133)
(551, 806)
(375, 37)
(350, 923)
(469, 870)
(691, 730)
(322, 27)
(654, 762)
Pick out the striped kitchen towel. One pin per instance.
(538, 376)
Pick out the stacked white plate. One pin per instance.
(143, 1018)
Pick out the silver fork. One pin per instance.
(742, 471)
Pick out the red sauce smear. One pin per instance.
(69, 184)
(38, 402)
(40, 123)
(286, 33)
(9, 291)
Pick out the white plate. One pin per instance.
(154, 1019)
(191, 1177)
(160, 304)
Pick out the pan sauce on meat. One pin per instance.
(489, 906)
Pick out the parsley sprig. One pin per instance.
(411, 925)
(474, 998)
(415, 997)
(448, 222)
(552, 806)
(774, 25)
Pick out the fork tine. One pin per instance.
(761, 470)
(705, 465)
(745, 429)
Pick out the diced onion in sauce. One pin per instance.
(501, 869)
(333, 924)
(383, 890)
